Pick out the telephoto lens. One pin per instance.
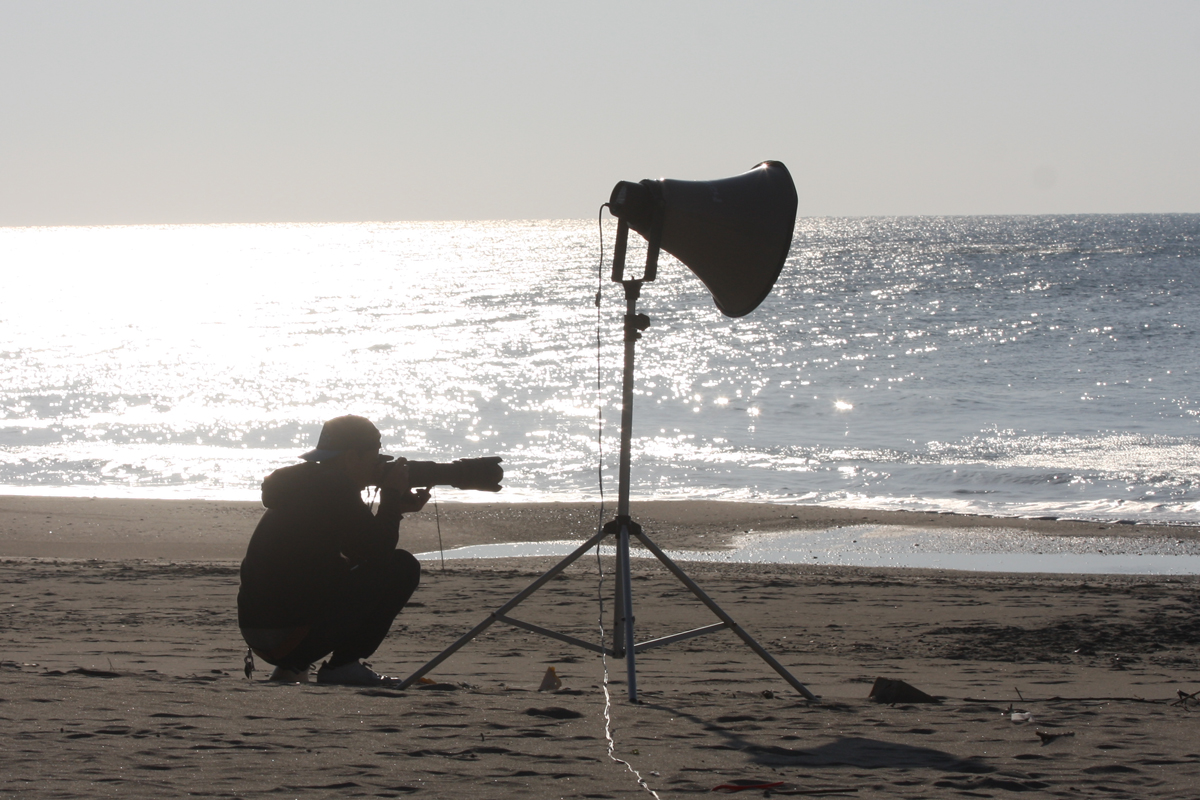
(474, 474)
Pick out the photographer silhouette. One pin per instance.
(322, 575)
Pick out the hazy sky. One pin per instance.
(284, 110)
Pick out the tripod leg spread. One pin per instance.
(623, 643)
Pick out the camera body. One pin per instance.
(476, 474)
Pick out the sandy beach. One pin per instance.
(122, 669)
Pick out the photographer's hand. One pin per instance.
(414, 501)
(395, 479)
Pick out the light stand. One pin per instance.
(622, 526)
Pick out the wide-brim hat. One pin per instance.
(344, 433)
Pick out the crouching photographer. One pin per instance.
(322, 574)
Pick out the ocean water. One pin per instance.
(1017, 366)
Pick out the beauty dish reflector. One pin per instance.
(733, 233)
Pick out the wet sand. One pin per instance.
(122, 669)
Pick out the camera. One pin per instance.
(477, 474)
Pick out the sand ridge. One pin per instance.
(72, 527)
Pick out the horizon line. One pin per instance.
(177, 224)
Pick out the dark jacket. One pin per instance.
(315, 530)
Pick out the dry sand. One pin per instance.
(122, 669)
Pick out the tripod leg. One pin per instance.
(625, 584)
(618, 642)
(728, 620)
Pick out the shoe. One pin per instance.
(353, 673)
(285, 675)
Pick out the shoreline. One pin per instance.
(199, 530)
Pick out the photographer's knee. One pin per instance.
(407, 568)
